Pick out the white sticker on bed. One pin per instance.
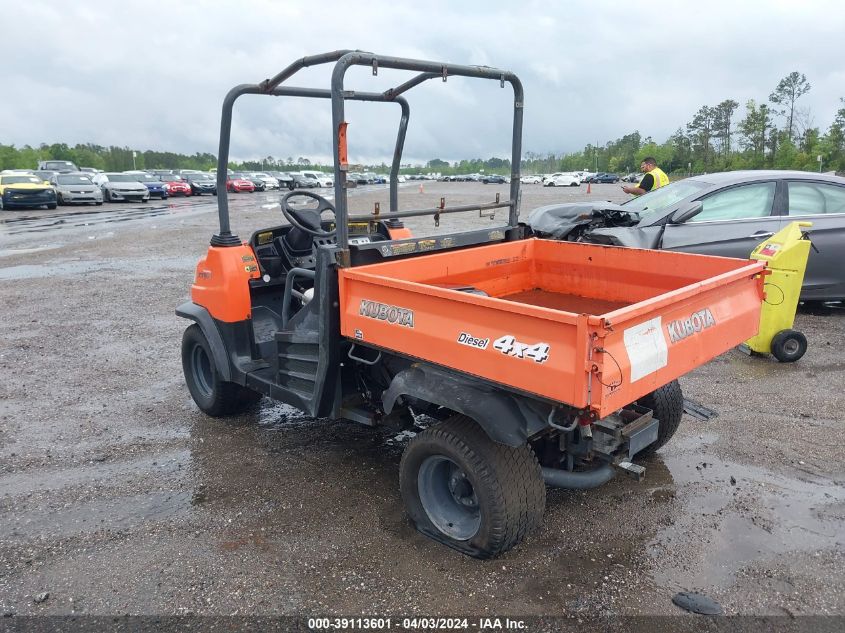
(646, 347)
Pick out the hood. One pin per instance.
(27, 186)
(558, 220)
(127, 186)
(82, 187)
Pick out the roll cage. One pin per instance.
(343, 60)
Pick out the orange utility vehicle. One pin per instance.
(532, 361)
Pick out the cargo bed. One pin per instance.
(582, 324)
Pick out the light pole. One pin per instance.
(820, 163)
(689, 169)
(135, 154)
(596, 155)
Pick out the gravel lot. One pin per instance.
(118, 496)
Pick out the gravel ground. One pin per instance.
(118, 496)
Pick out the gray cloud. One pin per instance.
(153, 74)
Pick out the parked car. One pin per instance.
(531, 180)
(301, 181)
(562, 180)
(257, 183)
(57, 165)
(156, 187)
(25, 190)
(267, 180)
(604, 177)
(323, 179)
(236, 184)
(730, 214)
(634, 176)
(586, 175)
(284, 178)
(46, 174)
(201, 183)
(176, 185)
(76, 188)
(494, 179)
(118, 187)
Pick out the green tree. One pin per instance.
(788, 91)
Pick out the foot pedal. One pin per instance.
(633, 471)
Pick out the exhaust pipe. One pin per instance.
(557, 478)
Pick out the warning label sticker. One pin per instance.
(646, 347)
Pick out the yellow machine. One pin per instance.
(786, 252)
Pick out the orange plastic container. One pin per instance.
(590, 326)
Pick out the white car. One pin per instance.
(587, 174)
(269, 181)
(120, 187)
(531, 180)
(321, 177)
(562, 180)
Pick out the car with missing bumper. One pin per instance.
(22, 191)
(726, 214)
(515, 362)
(76, 189)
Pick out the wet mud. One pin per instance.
(118, 496)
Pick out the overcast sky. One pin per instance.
(152, 74)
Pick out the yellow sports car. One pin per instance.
(25, 190)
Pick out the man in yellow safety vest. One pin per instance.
(654, 178)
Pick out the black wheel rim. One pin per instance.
(448, 498)
(201, 369)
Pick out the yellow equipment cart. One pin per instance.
(786, 253)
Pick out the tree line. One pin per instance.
(774, 134)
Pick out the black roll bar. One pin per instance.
(344, 59)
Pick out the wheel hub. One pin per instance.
(448, 497)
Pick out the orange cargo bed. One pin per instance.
(581, 324)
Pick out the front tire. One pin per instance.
(667, 403)
(465, 490)
(789, 345)
(213, 395)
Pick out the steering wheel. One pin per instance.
(293, 215)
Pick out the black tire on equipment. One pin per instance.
(667, 403)
(219, 397)
(789, 345)
(507, 481)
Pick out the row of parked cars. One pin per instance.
(61, 182)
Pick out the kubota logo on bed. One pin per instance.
(383, 312)
(697, 321)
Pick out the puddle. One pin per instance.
(735, 515)
(65, 220)
(114, 513)
(110, 473)
(66, 268)
(278, 416)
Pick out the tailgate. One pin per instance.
(602, 361)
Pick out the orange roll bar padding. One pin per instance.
(341, 145)
(221, 284)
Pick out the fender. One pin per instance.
(201, 316)
(505, 418)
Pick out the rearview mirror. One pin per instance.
(686, 212)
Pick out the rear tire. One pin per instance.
(667, 403)
(789, 345)
(213, 395)
(465, 490)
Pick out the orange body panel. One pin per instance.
(586, 325)
(400, 234)
(221, 284)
